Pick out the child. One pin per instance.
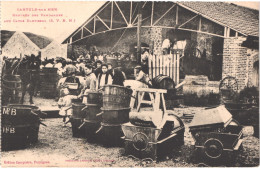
(65, 103)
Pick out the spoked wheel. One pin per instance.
(213, 148)
(228, 88)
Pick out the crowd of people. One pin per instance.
(78, 78)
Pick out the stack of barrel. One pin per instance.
(49, 80)
(115, 111)
(85, 119)
(20, 126)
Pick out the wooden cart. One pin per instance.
(215, 132)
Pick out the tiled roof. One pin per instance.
(241, 19)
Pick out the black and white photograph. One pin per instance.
(129, 84)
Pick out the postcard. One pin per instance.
(129, 84)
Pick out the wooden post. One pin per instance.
(139, 24)
(174, 65)
(178, 68)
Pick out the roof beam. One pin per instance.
(188, 21)
(207, 33)
(143, 19)
(81, 33)
(168, 27)
(121, 13)
(88, 30)
(144, 4)
(205, 16)
(112, 10)
(177, 14)
(164, 14)
(103, 22)
(152, 13)
(102, 32)
(94, 29)
(131, 8)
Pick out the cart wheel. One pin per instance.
(140, 141)
(213, 148)
(228, 88)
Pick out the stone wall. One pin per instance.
(238, 61)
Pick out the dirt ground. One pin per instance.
(57, 147)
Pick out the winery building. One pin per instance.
(221, 39)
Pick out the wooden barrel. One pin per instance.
(116, 97)
(91, 112)
(11, 89)
(49, 70)
(90, 130)
(76, 132)
(94, 98)
(48, 90)
(20, 126)
(49, 75)
(110, 134)
(78, 111)
(165, 82)
(115, 116)
(19, 115)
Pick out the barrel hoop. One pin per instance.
(4, 86)
(109, 124)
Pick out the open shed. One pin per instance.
(221, 38)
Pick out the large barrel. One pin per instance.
(92, 111)
(94, 97)
(110, 134)
(92, 121)
(116, 97)
(77, 119)
(11, 89)
(115, 116)
(49, 80)
(78, 112)
(76, 132)
(20, 126)
(165, 82)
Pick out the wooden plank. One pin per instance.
(164, 68)
(166, 65)
(178, 68)
(163, 103)
(153, 66)
(151, 90)
(161, 66)
(174, 61)
(133, 99)
(157, 101)
(140, 102)
(157, 66)
(152, 98)
(170, 66)
(150, 66)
